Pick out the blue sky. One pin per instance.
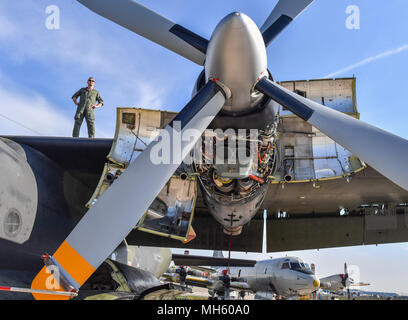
(40, 69)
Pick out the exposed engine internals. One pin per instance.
(235, 167)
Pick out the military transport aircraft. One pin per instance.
(287, 277)
(343, 201)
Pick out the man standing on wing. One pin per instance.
(88, 97)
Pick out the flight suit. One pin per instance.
(226, 280)
(183, 274)
(87, 98)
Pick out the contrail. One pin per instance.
(368, 60)
(20, 124)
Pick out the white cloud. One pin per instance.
(29, 39)
(78, 49)
(74, 49)
(26, 112)
(7, 28)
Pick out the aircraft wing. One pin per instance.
(359, 284)
(208, 283)
(203, 269)
(193, 260)
(190, 280)
(304, 213)
(240, 285)
(82, 158)
(199, 281)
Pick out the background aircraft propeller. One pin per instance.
(344, 280)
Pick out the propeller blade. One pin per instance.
(146, 23)
(281, 16)
(119, 208)
(346, 276)
(385, 152)
(344, 281)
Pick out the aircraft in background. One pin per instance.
(338, 282)
(50, 180)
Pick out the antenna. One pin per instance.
(264, 253)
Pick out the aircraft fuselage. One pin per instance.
(268, 277)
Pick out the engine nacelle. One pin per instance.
(234, 173)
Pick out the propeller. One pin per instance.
(385, 152)
(281, 16)
(344, 276)
(146, 23)
(344, 281)
(104, 226)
